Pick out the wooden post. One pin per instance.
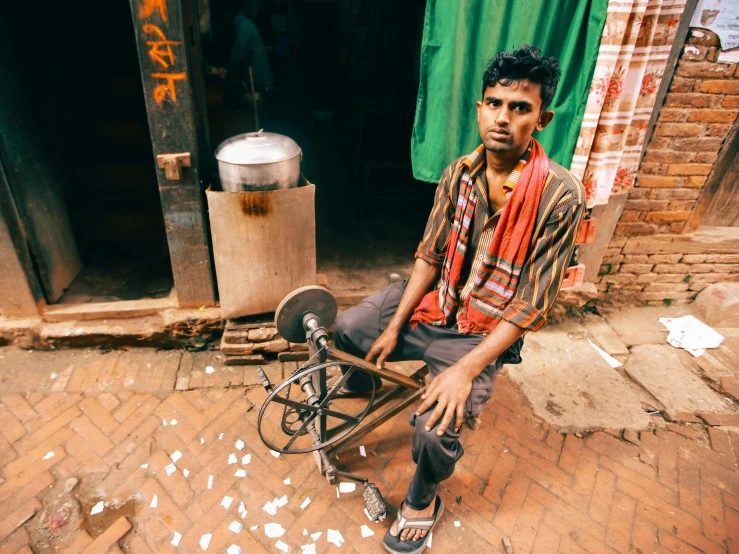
(168, 43)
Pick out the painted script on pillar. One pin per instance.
(161, 50)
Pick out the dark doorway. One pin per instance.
(345, 79)
(83, 84)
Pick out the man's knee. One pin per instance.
(444, 446)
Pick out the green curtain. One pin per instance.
(460, 36)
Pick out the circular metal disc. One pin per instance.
(290, 312)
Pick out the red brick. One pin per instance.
(600, 503)
(703, 69)
(689, 169)
(527, 525)
(19, 406)
(653, 181)
(18, 517)
(680, 84)
(511, 503)
(620, 523)
(705, 144)
(720, 87)
(695, 182)
(36, 454)
(718, 130)
(99, 415)
(643, 536)
(680, 129)
(47, 430)
(547, 541)
(720, 419)
(10, 427)
(730, 102)
(499, 477)
(732, 527)
(713, 116)
(692, 100)
(680, 215)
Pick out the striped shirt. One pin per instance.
(561, 209)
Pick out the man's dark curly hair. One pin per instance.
(524, 64)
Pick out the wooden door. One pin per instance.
(30, 173)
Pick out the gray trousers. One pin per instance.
(440, 347)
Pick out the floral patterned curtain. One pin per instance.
(636, 41)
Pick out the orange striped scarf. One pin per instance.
(498, 275)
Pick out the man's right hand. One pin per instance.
(382, 347)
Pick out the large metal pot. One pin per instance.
(258, 161)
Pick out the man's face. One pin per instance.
(508, 115)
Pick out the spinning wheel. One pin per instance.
(315, 419)
(320, 426)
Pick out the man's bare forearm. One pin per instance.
(492, 346)
(423, 278)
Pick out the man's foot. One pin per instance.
(408, 513)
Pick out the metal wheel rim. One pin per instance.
(295, 379)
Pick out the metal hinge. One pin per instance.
(173, 164)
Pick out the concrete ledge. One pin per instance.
(107, 310)
(706, 240)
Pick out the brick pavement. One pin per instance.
(672, 489)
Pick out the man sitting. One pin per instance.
(493, 257)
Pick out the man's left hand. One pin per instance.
(449, 391)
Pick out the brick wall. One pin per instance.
(698, 113)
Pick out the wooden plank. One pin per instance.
(382, 372)
(33, 181)
(107, 310)
(719, 201)
(706, 240)
(264, 245)
(22, 291)
(166, 37)
(678, 43)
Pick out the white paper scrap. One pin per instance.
(270, 508)
(210, 369)
(176, 539)
(226, 502)
(305, 532)
(236, 527)
(210, 481)
(337, 493)
(205, 541)
(170, 469)
(305, 503)
(691, 334)
(246, 459)
(366, 531)
(242, 507)
(362, 451)
(431, 539)
(97, 508)
(186, 473)
(613, 362)
(240, 444)
(457, 523)
(240, 473)
(173, 422)
(287, 481)
(176, 455)
(220, 437)
(273, 530)
(334, 537)
(347, 487)
(367, 514)
(48, 455)
(202, 440)
(282, 546)
(275, 454)
(233, 549)
(308, 548)
(280, 502)
(232, 459)
(53, 375)
(164, 422)
(253, 527)
(316, 536)
(154, 502)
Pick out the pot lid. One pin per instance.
(257, 148)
